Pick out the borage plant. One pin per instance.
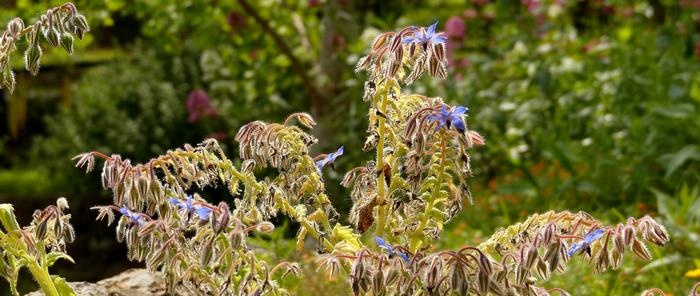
(36, 247)
(417, 182)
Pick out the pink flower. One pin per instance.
(455, 27)
(532, 5)
(199, 106)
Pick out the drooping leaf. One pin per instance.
(62, 286)
(52, 257)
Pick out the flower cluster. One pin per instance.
(542, 244)
(36, 247)
(418, 48)
(57, 26)
(159, 213)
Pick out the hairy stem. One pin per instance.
(381, 199)
(287, 207)
(417, 239)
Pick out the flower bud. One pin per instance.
(32, 57)
(530, 257)
(80, 33)
(628, 235)
(15, 26)
(8, 80)
(483, 281)
(62, 203)
(378, 286)
(391, 277)
(543, 269)
(148, 228)
(57, 228)
(81, 23)
(53, 37)
(248, 166)
(265, 227)
(67, 42)
(433, 275)
(68, 233)
(459, 282)
(236, 239)
(602, 261)
(207, 252)
(40, 229)
(615, 258)
(640, 249)
(121, 228)
(356, 276)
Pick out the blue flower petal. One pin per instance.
(203, 212)
(380, 241)
(460, 110)
(409, 39)
(594, 235)
(330, 158)
(320, 164)
(459, 125)
(586, 242)
(574, 248)
(431, 29)
(403, 256)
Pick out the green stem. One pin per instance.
(417, 240)
(42, 277)
(381, 199)
(41, 273)
(287, 207)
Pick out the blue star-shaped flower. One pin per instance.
(329, 159)
(450, 118)
(389, 249)
(585, 244)
(134, 217)
(187, 205)
(423, 36)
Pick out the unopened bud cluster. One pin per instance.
(58, 27)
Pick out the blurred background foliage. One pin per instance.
(586, 105)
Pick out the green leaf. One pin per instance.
(7, 217)
(662, 203)
(673, 161)
(62, 286)
(52, 257)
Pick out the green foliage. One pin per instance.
(126, 105)
(608, 116)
